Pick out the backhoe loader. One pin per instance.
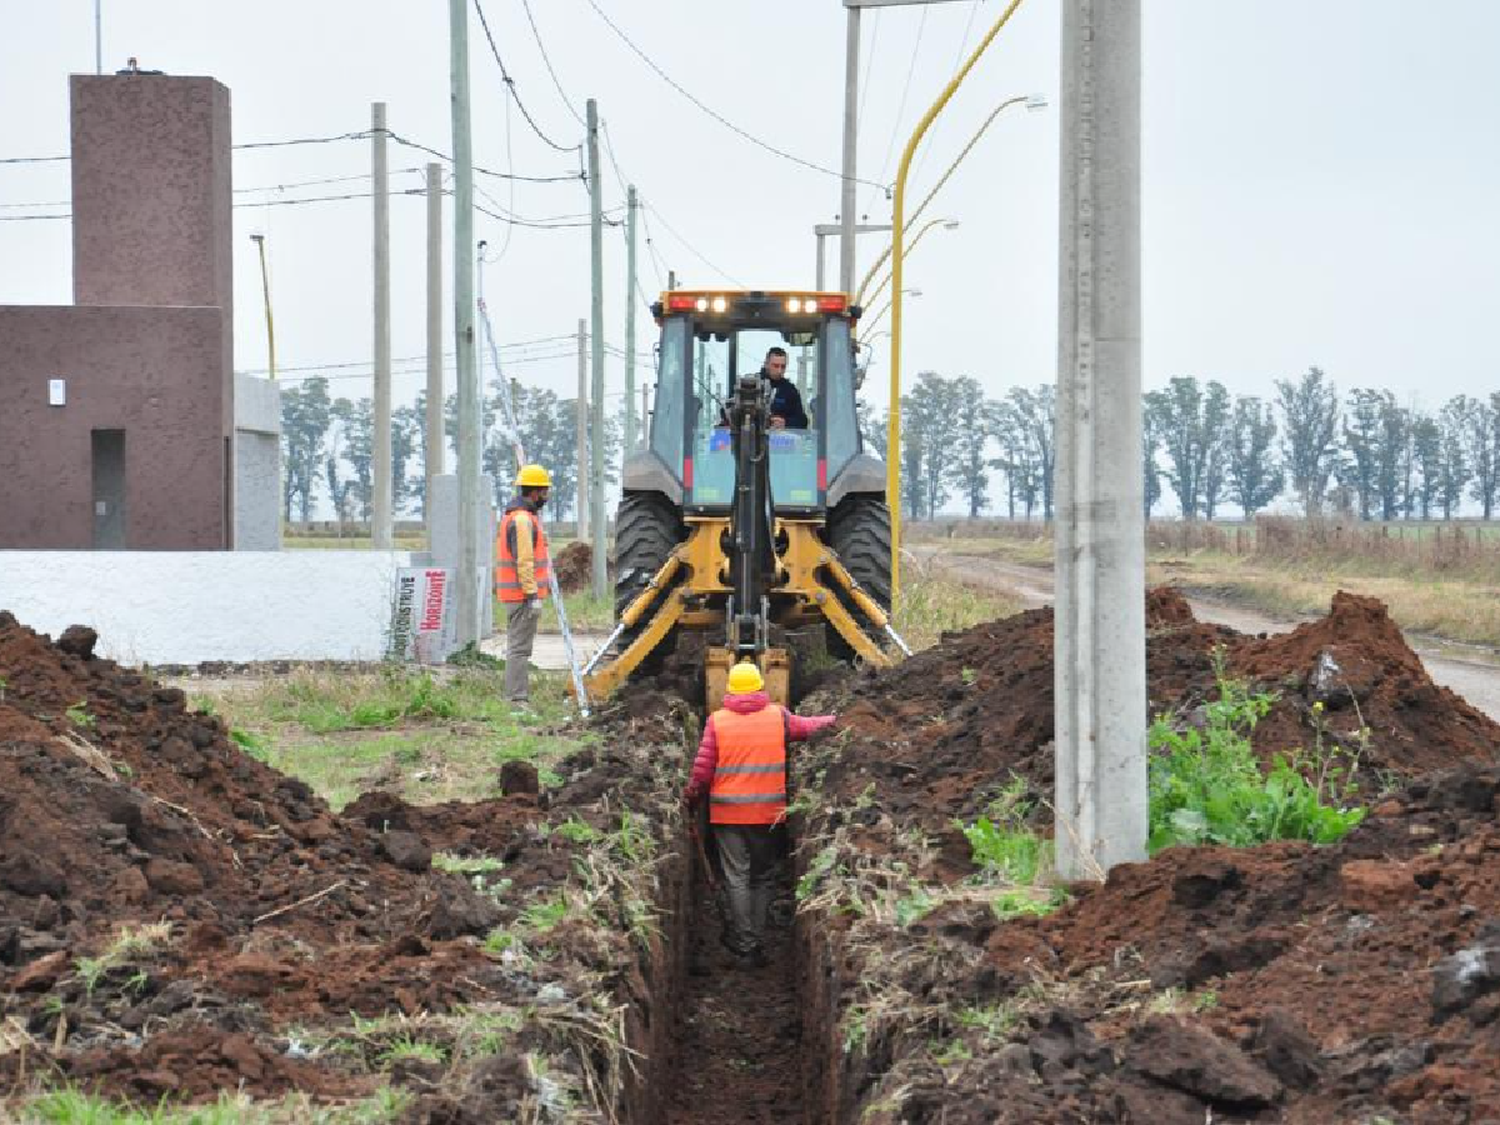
(739, 538)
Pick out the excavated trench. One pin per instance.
(726, 1042)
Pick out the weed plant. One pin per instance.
(1206, 784)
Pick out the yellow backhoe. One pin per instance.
(739, 536)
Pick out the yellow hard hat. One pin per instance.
(533, 476)
(745, 678)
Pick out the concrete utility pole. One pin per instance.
(381, 530)
(833, 230)
(596, 257)
(630, 321)
(850, 170)
(471, 583)
(847, 196)
(1100, 647)
(581, 419)
(434, 421)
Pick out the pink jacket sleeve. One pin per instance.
(800, 727)
(708, 755)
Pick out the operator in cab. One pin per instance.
(786, 401)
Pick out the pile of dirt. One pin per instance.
(170, 906)
(574, 567)
(942, 730)
(1355, 982)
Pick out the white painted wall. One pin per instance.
(185, 607)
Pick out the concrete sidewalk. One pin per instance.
(548, 652)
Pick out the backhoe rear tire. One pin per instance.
(859, 531)
(648, 528)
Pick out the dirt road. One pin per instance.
(1475, 674)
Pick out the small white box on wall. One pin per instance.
(57, 392)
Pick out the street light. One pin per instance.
(946, 224)
(885, 308)
(1032, 102)
(265, 288)
(898, 249)
(851, 129)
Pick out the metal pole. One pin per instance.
(822, 274)
(1100, 647)
(581, 431)
(380, 529)
(630, 429)
(434, 422)
(645, 417)
(898, 261)
(99, 44)
(885, 255)
(671, 279)
(265, 292)
(850, 168)
(471, 584)
(596, 255)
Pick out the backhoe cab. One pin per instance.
(740, 534)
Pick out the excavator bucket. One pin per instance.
(775, 668)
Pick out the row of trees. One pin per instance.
(328, 449)
(1364, 452)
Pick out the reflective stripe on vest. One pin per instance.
(507, 577)
(749, 785)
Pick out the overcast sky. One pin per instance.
(1320, 179)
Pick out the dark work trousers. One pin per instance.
(749, 855)
(520, 635)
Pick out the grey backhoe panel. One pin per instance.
(647, 472)
(863, 473)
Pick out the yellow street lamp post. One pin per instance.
(898, 261)
(265, 289)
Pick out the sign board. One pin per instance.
(57, 392)
(422, 615)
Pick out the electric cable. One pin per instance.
(911, 71)
(510, 86)
(547, 61)
(715, 114)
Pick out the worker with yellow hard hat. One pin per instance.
(523, 569)
(741, 768)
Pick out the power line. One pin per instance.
(963, 53)
(717, 116)
(237, 191)
(911, 71)
(693, 250)
(547, 61)
(510, 86)
(443, 156)
(358, 136)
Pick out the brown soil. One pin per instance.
(574, 567)
(737, 1029)
(1351, 983)
(942, 730)
(118, 805)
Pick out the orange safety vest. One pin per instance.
(507, 578)
(749, 785)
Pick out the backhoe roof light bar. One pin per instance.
(755, 305)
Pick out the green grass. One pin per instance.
(351, 542)
(586, 613)
(429, 735)
(73, 1107)
(930, 604)
(1013, 855)
(1207, 786)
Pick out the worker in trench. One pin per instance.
(741, 768)
(523, 570)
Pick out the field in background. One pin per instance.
(1440, 579)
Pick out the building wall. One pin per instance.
(185, 607)
(157, 374)
(152, 195)
(257, 464)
